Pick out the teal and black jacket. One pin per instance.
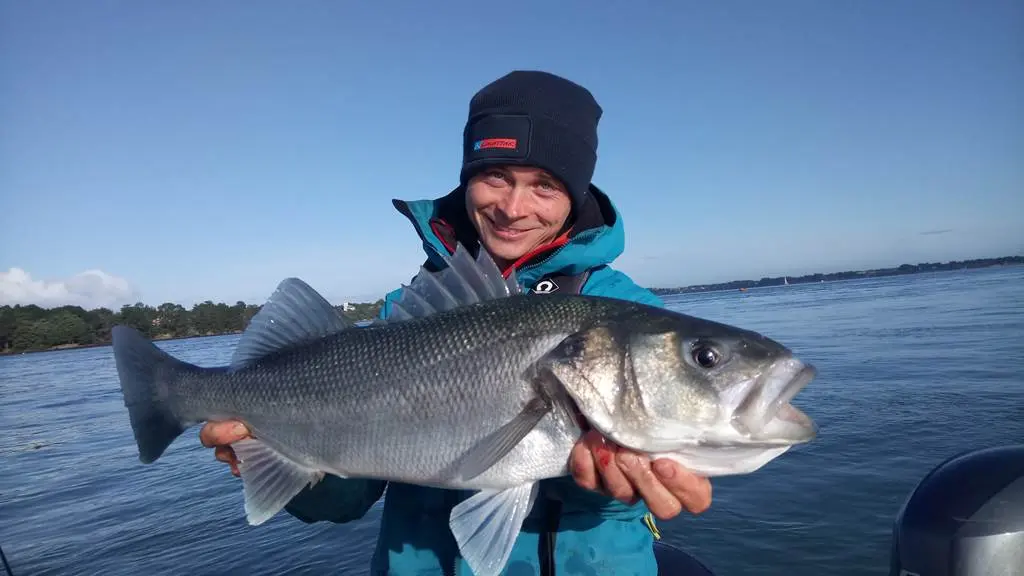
(571, 531)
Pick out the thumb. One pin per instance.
(222, 433)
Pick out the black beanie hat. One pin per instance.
(537, 119)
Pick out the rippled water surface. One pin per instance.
(912, 370)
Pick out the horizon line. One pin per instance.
(748, 283)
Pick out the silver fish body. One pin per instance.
(470, 384)
(405, 401)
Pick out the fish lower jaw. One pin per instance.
(712, 461)
(778, 432)
(767, 438)
(662, 436)
(725, 450)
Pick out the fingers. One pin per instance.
(220, 436)
(227, 455)
(610, 475)
(665, 486)
(637, 470)
(593, 466)
(692, 491)
(222, 433)
(582, 467)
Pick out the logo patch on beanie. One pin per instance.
(500, 143)
(497, 137)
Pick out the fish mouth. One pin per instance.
(790, 426)
(770, 398)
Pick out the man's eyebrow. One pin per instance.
(546, 178)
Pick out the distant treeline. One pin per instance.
(31, 328)
(850, 275)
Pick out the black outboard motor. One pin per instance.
(965, 518)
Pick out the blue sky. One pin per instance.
(209, 149)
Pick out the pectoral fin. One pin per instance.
(500, 442)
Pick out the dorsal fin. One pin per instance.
(464, 281)
(294, 313)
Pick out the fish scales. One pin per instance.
(401, 387)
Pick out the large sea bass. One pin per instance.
(473, 385)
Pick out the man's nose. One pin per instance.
(511, 206)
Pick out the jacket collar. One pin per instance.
(596, 237)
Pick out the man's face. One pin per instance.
(516, 209)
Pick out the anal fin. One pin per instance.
(487, 524)
(269, 480)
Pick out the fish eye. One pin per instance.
(705, 356)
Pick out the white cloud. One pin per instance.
(89, 289)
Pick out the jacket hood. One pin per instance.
(596, 237)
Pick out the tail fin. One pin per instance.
(146, 373)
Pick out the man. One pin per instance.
(525, 196)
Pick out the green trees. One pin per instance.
(31, 328)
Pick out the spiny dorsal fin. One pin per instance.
(464, 281)
(294, 313)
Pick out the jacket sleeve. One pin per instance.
(335, 499)
(613, 284)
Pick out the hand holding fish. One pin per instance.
(220, 436)
(665, 486)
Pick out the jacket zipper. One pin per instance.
(540, 263)
(455, 563)
(557, 251)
